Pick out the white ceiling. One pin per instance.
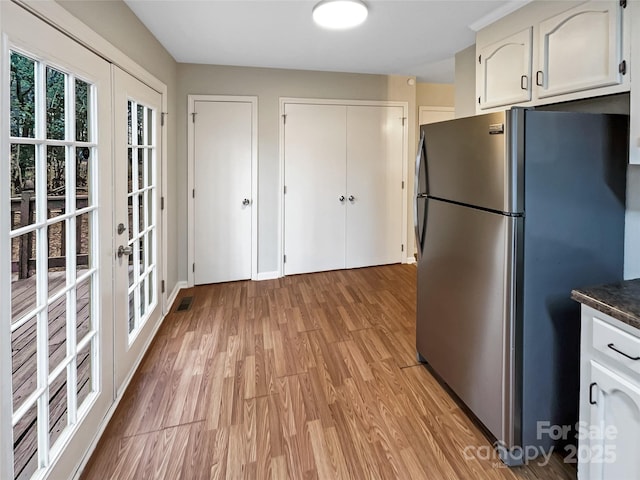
(416, 37)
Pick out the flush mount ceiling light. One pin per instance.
(340, 14)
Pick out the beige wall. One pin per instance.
(435, 94)
(465, 82)
(269, 85)
(115, 22)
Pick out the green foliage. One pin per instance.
(23, 122)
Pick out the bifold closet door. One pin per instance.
(374, 185)
(314, 203)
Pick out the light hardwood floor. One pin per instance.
(309, 376)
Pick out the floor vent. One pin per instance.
(185, 304)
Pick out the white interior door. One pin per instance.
(137, 230)
(315, 199)
(223, 148)
(56, 377)
(374, 185)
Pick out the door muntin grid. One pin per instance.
(142, 215)
(54, 261)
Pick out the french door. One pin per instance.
(136, 220)
(56, 376)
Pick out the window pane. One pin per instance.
(56, 180)
(130, 266)
(149, 167)
(83, 159)
(57, 238)
(129, 123)
(57, 318)
(25, 444)
(22, 96)
(140, 130)
(23, 275)
(23, 184)
(143, 304)
(55, 104)
(140, 212)
(150, 207)
(151, 284)
(149, 126)
(130, 171)
(24, 362)
(58, 417)
(83, 309)
(149, 237)
(82, 111)
(84, 374)
(132, 312)
(84, 232)
(140, 168)
(142, 252)
(130, 216)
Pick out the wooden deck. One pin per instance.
(24, 365)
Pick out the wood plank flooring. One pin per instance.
(305, 377)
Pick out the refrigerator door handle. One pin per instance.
(418, 194)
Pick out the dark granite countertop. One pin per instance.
(619, 300)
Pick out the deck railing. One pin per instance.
(22, 214)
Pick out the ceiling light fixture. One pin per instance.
(340, 14)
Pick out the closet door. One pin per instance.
(314, 203)
(374, 185)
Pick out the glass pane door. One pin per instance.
(137, 217)
(58, 139)
(141, 214)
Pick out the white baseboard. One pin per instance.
(114, 406)
(410, 260)
(172, 298)
(267, 275)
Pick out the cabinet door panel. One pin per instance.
(580, 49)
(505, 68)
(614, 427)
(374, 185)
(315, 159)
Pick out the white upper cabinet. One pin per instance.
(549, 52)
(580, 49)
(505, 69)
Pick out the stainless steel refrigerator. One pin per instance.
(512, 211)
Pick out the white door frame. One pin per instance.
(192, 99)
(320, 101)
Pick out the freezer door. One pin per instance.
(475, 160)
(465, 324)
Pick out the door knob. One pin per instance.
(341, 198)
(124, 251)
(351, 198)
(245, 202)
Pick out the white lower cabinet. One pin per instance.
(609, 429)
